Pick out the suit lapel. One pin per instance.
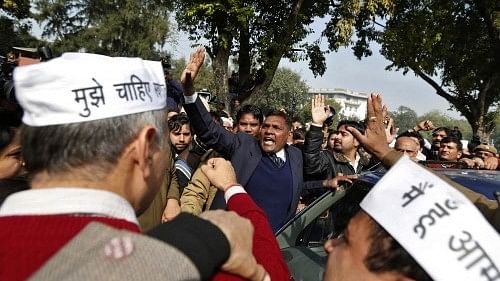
(296, 167)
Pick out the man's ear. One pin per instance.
(356, 143)
(145, 145)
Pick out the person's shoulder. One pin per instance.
(294, 150)
(83, 255)
(246, 138)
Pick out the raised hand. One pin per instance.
(374, 140)
(220, 173)
(391, 131)
(425, 125)
(191, 71)
(319, 110)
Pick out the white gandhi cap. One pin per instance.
(79, 87)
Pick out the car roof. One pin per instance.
(485, 182)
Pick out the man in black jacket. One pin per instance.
(343, 159)
(267, 159)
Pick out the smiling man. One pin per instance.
(257, 162)
(450, 150)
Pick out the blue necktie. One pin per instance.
(277, 160)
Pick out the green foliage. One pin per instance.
(441, 120)
(495, 137)
(15, 34)
(260, 33)
(457, 41)
(355, 17)
(442, 37)
(287, 91)
(205, 78)
(14, 29)
(19, 9)
(404, 117)
(110, 27)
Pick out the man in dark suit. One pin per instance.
(269, 169)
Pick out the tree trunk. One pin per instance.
(260, 88)
(485, 121)
(265, 75)
(474, 111)
(244, 60)
(220, 62)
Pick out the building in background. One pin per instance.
(353, 103)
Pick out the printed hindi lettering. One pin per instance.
(467, 247)
(415, 192)
(141, 87)
(432, 215)
(158, 88)
(133, 90)
(96, 94)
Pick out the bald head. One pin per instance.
(409, 146)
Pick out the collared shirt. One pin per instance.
(68, 200)
(190, 99)
(356, 162)
(281, 154)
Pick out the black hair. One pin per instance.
(250, 109)
(453, 139)
(355, 124)
(177, 121)
(455, 132)
(299, 134)
(438, 129)
(282, 115)
(6, 136)
(330, 133)
(296, 119)
(385, 253)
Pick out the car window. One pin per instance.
(329, 223)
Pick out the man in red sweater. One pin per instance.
(94, 142)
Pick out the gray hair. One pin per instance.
(97, 144)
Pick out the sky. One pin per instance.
(344, 70)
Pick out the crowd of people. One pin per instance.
(103, 154)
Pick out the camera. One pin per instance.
(331, 115)
(17, 56)
(7, 65)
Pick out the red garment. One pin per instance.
(27, 242)
(265, 247)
